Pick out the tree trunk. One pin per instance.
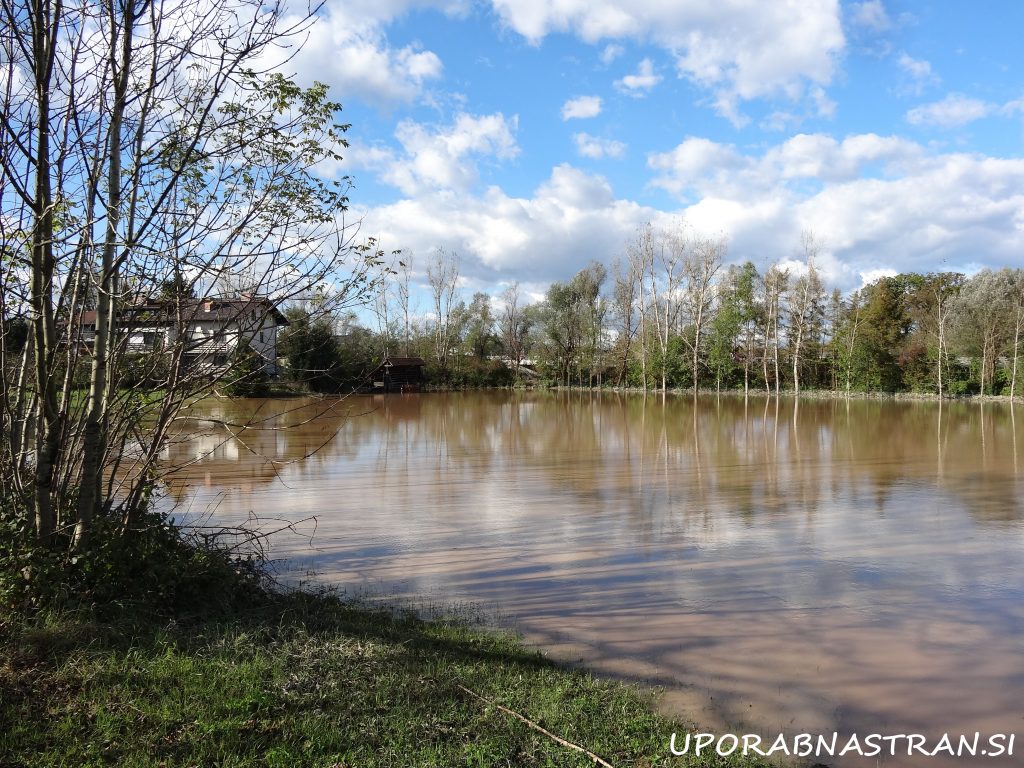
(43, 267)
(796, 361)
(93, 447)
(764, 363)
(776, 342)
(984, 363)
(1013, 375)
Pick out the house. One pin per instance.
(399, 374)
(208, 330)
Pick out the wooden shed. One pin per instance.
(399, 374)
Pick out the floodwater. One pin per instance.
(777, 567)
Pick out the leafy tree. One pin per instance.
(749, 312)
(15, 334)
(309, 345)
(848, 341)
(984, 318)
(886, 325)
(932, 300)
(1016, 281)
(571, 322)
(248, 374)
(480, 337)
(177, 288)
(725, 329)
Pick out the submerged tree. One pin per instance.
(933, 299)
(775, 285)
(984, 319)
(805, 304)
(700, 266)
(1016, 280)
(443, 277)
(514, 328)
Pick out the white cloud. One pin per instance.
(824, 106)
(639, 84)
(611, 52)
(919, 69)
(348, 49)
(597, 148)
(1011, 108)
(951, 112)
(692, 161)
(581, 107)
(876, 201)
(880, 204)
(703, 167)
(571, 218)
(867, 277)
(441, 158)
(871, 15)
(740, 50)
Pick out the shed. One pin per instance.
(399, 374)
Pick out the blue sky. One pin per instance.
(532, 137)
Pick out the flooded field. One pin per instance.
(778, 567)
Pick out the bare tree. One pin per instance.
(1016, 280)
(805, 304)
(672, 248)
(641, 261)
(443, 277)
(700, 265)
(403, 293)
(656, 259)
(983, 319)
(775, 284)
(141, 149)
(625, 312)
(514, 328)
(935, 301)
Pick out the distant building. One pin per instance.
(399, 374)
(210, 330)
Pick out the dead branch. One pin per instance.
(597, 760)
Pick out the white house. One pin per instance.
(210, 330)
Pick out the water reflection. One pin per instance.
(821, 565)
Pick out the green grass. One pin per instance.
(302, 680)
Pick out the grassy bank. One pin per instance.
(301, 680)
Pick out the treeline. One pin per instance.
(670, 314)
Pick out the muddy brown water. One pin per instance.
(778, 567)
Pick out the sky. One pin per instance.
(531, 137)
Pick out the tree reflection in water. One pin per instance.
(821, 565)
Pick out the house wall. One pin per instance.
(260, 332)
(211, 340)
(264, 342)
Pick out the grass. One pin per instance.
(302, 680)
